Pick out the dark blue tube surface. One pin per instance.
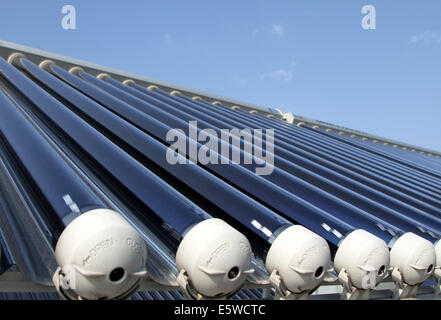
(178, 212)
(63, 190)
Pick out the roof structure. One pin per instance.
(116, 186)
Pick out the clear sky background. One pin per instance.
(309, 57)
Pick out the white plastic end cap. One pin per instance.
(414, 257)
(300, 257)
(104, 254)
(175, 93)
(103, 76)
(216, 258)
(152, 87)
(76, 70)
(360, 254)
(128, 82)
(13, 59)
(45, 64)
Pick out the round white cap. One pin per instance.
(76, 70)
(414, 257)
(362, 254)
(103, 76)
(14, 58)
(102, 253)
(45, 64)
(216, 258)
(300, 257)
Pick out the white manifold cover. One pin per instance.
(102, 253)
(414, 257)
(216, 258)
(361, 254)
(300, 257)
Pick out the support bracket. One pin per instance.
(282, 293)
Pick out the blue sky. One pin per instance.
(309, 57)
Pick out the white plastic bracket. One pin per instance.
(358, 294)
(61, 281)
(349, 291)
(281, 292)
(190, 293)
(437, 275)
(397, 277)
(403, 290)
(65, 294)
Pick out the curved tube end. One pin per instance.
(364, 258)
(14, 58)
(128, 82)
(414, 257)
(45, 65)
(76, 70)
(300, 257)
(175, 93)
(103, 76)
(100, 256)
(152, 87)
(215, 257)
